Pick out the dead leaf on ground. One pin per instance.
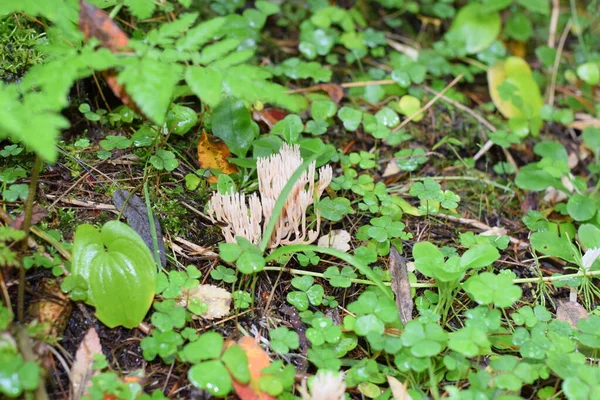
(583, 120)
(52, 308)
(82, 372)
(257, 361)
(217, 299)
(335, 92)
(401, 285)
(399, 389)
(391, 169)
(338, 239)
(571, 312)
(270, 116)
(213, 153)
(495, 231)
(38, 214)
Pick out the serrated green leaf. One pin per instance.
(141, 8)
(206, 83)
(151, 83)
(200, 34)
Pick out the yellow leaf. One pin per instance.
(213, 153)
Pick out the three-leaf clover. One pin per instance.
(309, 293)
(488, 288)
(164, 160)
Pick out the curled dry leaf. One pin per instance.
(81, 373)
(401, 285)
(217, 299)
(95, 23)
(257, 361)
(213, 153)
(338, 239)
(391, 169)
(399, 390)
(571, 312)
(270, 116)
(52, 309)
(335, 91)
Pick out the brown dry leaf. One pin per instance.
(571, 312)
(81, 373)
(93, 22)
(399, 390)
(213, 153)
(583, 120)
(38, 214)
(401, 285)
(119, 90)
(335, 92)
(217, 299)
(257, 361)
(338, 239)
(391, 169)
(52, 308)
(270, 116)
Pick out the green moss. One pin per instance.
(18, 42)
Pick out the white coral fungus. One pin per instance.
(240, 217)
(326, 385)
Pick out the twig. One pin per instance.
(480, 225)
(35, 174)
(559, 50)
(85, 203)
(553, 23)
(429, 104)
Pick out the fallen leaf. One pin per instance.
(270, 116)
(495, 231)
(217, 299)
(401, 285)
(335, 92)
(257, 361)
(514, 71)
(571, 312)
(338, 239)
(37, 215)
(93, 22)
(391, 169)
(52, 308)
(136, 212)
(81, 372)
(583, 120)
(399, 390)
(119, 90)
(213, 153)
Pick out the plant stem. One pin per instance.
(432, 383)
(357, 263)
(35, 174)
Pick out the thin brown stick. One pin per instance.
(559, 50)
(480, 225)
(430, 103)
(553, 23)
(35, 174)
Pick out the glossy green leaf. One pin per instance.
(119, 270)
(233, 123)
(211, 376)
(475, 28)
(181, 119)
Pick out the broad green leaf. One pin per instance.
(532, 178)
(206, 83)
(181, 119)
(550, 243)
(524, 98)
(151, 83)
(589, 72)
(479, 256)
(428, 258)
(211, 376)
(233, 123)
(589, 236)
(475, 28)
(207, 346)
(236, 361)
(119, 270)
(409, 105)
(488, 288)
(581, 208)
(289, 128)
(351, 117)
